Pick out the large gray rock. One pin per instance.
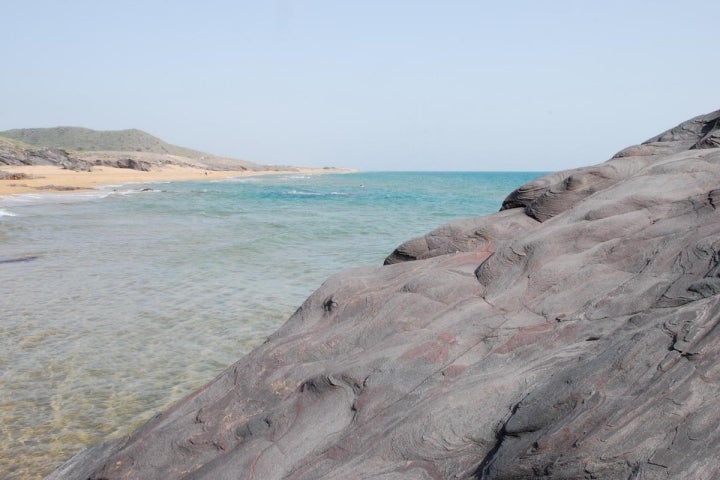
(14, 155)
(572, 335)
(130, 163)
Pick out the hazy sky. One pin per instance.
(374, 85)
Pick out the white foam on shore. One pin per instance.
(63, 197)
(129, 188)
(71, 197)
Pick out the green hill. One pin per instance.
(9, 143)
(84, 139)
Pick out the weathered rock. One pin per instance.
(572, 335)
(13, 176)
(130, 163)
(466, 235)
(13, 155)
(72, 163)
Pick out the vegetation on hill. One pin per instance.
(84, 139)
(9, 143)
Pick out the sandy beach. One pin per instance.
(56, 179)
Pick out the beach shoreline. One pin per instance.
(54, 179)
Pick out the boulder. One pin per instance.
(133, 164)
(574, 334)
(124, 162)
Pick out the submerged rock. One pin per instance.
(572, 335)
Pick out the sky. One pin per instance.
(372, 85)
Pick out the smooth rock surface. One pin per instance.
(572, 335)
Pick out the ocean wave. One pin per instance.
(303, 193)
(5, 213)
(133, 191)
(64, 197)
(256, 179)
(72, 197)
(128, 188)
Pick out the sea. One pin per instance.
(116, 302)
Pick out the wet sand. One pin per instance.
(56, 179)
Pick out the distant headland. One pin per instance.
(76, 158)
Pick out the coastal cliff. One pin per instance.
(573, 334)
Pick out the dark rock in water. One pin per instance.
(59, 188)
(572, 335)
(26, 258)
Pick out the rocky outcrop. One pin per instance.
(574, 334)
(130, 163)
(14, 155)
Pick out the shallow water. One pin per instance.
(115, 303)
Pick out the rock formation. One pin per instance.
(574, 334)
(14, 154)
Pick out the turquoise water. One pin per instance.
(118, 301)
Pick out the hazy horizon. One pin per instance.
(402, 85)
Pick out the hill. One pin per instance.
(84, 139)
(14, 152)
(80, 148)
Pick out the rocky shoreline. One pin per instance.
(573, 334)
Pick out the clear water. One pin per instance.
(115, 303)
